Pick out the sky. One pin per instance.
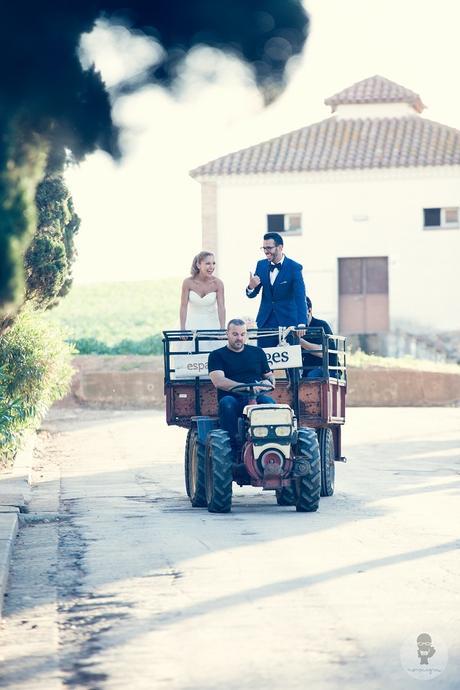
(141, 218)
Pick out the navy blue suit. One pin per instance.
(283, 303)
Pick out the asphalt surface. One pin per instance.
(117, 582)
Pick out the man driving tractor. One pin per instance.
(233, 365)
(288, 445)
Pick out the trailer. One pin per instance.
(313, 410)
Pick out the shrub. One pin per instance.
(147, 346)
(35, 370)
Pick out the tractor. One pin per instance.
(272, 450)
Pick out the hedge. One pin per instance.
(35, 371)
(147, 346)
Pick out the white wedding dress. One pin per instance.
(201, 316)
(202, 312)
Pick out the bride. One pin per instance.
(202, 304)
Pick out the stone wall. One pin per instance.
(381, 387)
(134, 381)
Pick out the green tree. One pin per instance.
(50, 102)
(48, 260)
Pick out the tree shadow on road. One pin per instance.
(129, 524)
(174, 616)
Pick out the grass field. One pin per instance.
(128, 318)
(119, 318)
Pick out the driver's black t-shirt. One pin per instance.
(248, 365)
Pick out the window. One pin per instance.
(285, 222)
(451, 216)
(440, 218)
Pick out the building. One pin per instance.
(367, 200)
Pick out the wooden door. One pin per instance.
(363, 295)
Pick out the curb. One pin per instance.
(14, 494)
(8, 532)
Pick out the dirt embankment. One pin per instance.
(136, 381)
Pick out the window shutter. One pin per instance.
(432, 217)
(275, 222)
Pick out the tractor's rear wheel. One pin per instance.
(327, 452)
(285, 496)
(189, 441)
(219, 459)
(308, 488)
(195, 470)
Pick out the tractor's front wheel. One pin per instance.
(308, 488)
(219, 459)
(195, 470)
(327, 451)
(285, 496)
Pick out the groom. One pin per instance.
(283, 300)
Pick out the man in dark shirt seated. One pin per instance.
(312, 351)
(235, 364)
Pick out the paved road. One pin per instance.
(118, 583)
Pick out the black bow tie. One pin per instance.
(273, 266)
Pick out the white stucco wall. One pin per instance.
(424, 266)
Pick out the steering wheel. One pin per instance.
(249, 387)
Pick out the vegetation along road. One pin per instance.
(118, 583)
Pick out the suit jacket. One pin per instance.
(285, 298)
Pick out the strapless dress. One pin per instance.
(202, 312)
(201, 316)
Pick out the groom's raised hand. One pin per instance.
(254, 281)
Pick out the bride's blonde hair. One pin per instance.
(195, 269)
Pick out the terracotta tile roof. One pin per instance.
(375, 89)
(346, 144)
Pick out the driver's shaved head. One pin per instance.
(236, 334)
(235, 322)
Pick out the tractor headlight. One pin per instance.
(260, 431)
(283, 430)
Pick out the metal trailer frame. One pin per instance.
(317, 402)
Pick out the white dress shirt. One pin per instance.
(274, 274)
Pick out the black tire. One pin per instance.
(195, 470)
(327, 452)
(285, 496)
(219, 459)
(308, 488)
(189, 441)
